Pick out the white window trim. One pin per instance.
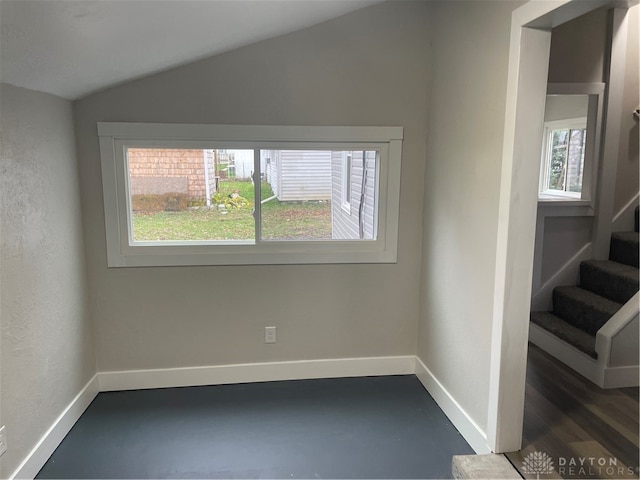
(595, 92)
(122, 251)
(346, 179)
(570, 123)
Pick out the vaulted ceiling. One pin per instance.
(71, 48)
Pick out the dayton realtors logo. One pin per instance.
(594, 467)
(537, 463)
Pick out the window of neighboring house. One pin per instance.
(563, 158)
(224, 195)
(347, 159)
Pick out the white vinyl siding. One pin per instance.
(346, 223)
(303, 175)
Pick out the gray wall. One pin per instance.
(562, 107)
(462, 184)
(563, 238)
(578, 49)
(47, 354)
(370, 67)
(627, 175)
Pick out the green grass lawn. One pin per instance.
(280, 220)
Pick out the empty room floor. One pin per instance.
(371, 427)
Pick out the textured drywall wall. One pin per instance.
(370, 67)
(462, 183)
(47, 354)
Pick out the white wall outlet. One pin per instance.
(269, 334)
(3, 440)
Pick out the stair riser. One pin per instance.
(624, 252)
(578, 314)
(616, 288)
(561, 329)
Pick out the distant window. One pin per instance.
(224, 195)
(563, 158)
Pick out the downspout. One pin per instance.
(363, 192)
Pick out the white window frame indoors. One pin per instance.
(123, 251)
(549, 128)
(586, 199)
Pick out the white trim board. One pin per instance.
(471, 432)
(620, 377)
(41, 452)
(247, 373)
(529, 48)
(256, 372)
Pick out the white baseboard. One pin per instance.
(620, 377)
(471, 432)
(246, 373)
(256, 372)
(38, 456)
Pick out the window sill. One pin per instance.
(556, 206)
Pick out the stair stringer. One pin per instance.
(616, 345)
(567, 274)
(623, 221)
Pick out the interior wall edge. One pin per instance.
(40, 453)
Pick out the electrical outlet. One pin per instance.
(269, 334)
(3, 441)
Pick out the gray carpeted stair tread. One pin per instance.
(613, 280)
(583, 309)
(567, 332)
(624, 248)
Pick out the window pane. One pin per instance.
(557, 167)
(191, 194)
(303, 192)
(575, 160)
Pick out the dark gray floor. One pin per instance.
(373, 427)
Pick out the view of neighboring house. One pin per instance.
(341, 177)
(156, 171)
(353, 195)
(296, 175)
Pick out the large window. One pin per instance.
(207, 194)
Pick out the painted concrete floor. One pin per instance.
(372, 427)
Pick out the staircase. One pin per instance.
(605, 285)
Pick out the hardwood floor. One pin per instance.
(586, 431)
